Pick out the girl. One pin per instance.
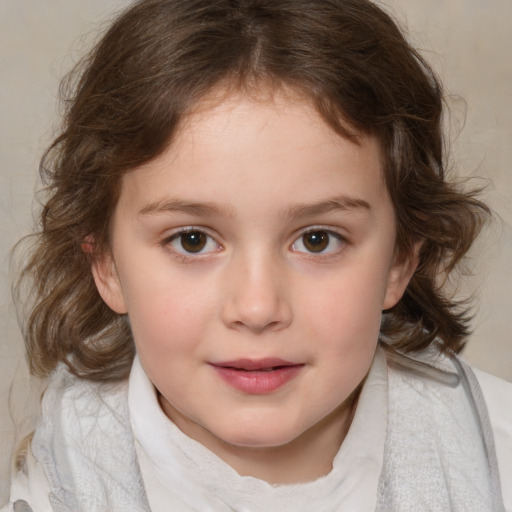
(238, 283)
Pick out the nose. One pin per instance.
(256, 296)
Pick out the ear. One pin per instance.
(108, 284)
(404, 266)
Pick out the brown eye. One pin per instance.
(193, 241)
(322, 242)
(316, 241)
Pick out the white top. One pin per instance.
(167, 455)
(171, 463)
(498, 397)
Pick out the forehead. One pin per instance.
(262, 102)
(232, 143)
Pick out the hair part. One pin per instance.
(152, 68)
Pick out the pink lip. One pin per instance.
(257, 376)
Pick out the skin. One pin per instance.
(256, 176)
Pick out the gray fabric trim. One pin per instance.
(479, 406)
(449, 462)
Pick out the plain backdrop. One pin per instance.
(467, 41)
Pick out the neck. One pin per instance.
(307, 458)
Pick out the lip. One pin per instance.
(257, 376)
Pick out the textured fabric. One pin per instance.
(497, 395)
(438, 453)
(86, 447)
(178, 470)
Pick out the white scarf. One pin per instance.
(438, 452)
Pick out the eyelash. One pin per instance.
(188, 256)
(331, 236)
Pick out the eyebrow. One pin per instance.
(344, 203)
(187, 207)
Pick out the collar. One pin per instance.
(179, 470)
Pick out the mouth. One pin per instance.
(250, 365)
(257, 376)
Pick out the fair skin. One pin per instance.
(254, 257)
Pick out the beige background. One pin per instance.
(468, 42)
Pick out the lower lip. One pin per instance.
(258, 382)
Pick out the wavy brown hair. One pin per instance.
(153, 65)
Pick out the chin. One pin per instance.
(266, 436)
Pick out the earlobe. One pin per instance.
(400, 274)
(107, 282)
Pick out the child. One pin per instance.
(238, 284)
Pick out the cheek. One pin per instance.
(168, 314)
(345, 328)
(344, 314)
(351, 297)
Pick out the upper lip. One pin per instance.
(255, 364)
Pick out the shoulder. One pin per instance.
(498, 398)
(78, 417)
(77, 413)
(495, 402)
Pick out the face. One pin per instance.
(254, 258)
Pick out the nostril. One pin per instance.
(258, 327)
(255, 298)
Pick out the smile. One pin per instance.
(257, 377)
